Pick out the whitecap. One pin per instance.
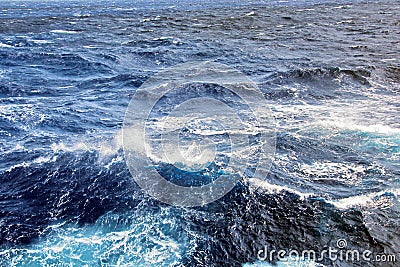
(252, 13)
(41, 41)
(64, 32)
(347, 124)
(5, 45)
(373, 200)
(269, 188)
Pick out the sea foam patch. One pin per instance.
(113, 240)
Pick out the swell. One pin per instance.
(276, 220)
(81, 189)
(73, 187)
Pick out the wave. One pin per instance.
(79, 209)
(382, 200)
(68, 186)
(346, 124)
(358, 74)
(315, 85)
(268, 188)
(308, 74)
(139, 238)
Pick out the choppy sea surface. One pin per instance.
(330, 73)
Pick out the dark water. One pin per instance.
(330, 73)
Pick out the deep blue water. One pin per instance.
(330, 73)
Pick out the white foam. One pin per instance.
(64, 32)
(348, 173)
(5, 46)
(41, 41)
(22, 164)
(90, 46)
(305, 9)
(349, 124)
(45, 159)
(274, 188)
(134, 239)
(75, 147)
(105, 148)
(252, 13)
(366, 200)
(343, 116)
(39, 160)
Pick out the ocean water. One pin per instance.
(329, 71)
